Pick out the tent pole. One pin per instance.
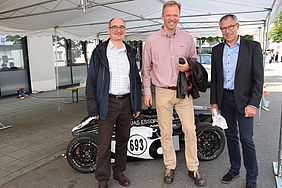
(266, 27)
(2, 127)
(264, 48)
(277, 165)
(57, 70)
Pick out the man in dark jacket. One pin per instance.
(113, 93)
(236, 90)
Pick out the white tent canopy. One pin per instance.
(88, 19)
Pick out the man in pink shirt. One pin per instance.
(160, 67)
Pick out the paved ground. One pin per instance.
(31, 151)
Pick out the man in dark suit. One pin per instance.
(236, 90)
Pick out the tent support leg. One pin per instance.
(277, 165)
(2, 127)
(259, 113)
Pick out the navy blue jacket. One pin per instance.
(98, 81)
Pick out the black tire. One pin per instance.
(153, 150)
(211, 141)
(82, 151)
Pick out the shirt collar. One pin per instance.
(167, 35)
(236, 44)
(238, 41)
(112, 47)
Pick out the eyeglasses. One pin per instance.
(115, 28)
(230, 28)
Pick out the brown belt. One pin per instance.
(172, 87)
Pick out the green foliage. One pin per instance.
(275, 32)
(219, 39)
(76, 47)
(203, 39)
(210, 40)
(61, 41)
(214, 40)
(249, 37)
(15, 39)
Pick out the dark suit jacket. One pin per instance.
(248, 84)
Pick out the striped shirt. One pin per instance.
(161, 55)
(119, 70)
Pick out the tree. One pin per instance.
(15, 39)
(76, 47)
(203, 39)
(249, 37)
(211, 41)
(219, 39)
(275, 32)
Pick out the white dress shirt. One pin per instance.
(119, 70)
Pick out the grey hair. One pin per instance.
(228, 16)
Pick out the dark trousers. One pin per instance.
(120, 114)
(236, 121)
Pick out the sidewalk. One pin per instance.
(40, 130)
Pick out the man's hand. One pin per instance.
(136, 114)
(214, 107)
(147, 100)
(183, 67)
(250, 111)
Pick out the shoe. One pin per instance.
(122, 179)
(266, 108)
(169, 176)
(229, 177)
(198, 179)
(251, 185)
(103, 185)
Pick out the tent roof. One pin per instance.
(67, 18)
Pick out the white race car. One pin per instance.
(144, 141)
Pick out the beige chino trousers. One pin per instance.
(165, 101)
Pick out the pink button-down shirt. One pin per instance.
(161, 55)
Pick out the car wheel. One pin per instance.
(210, 141)
(82, 151)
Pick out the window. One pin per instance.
(11, 53)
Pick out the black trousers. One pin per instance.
(120, 114)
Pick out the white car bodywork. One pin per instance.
(205, 60)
